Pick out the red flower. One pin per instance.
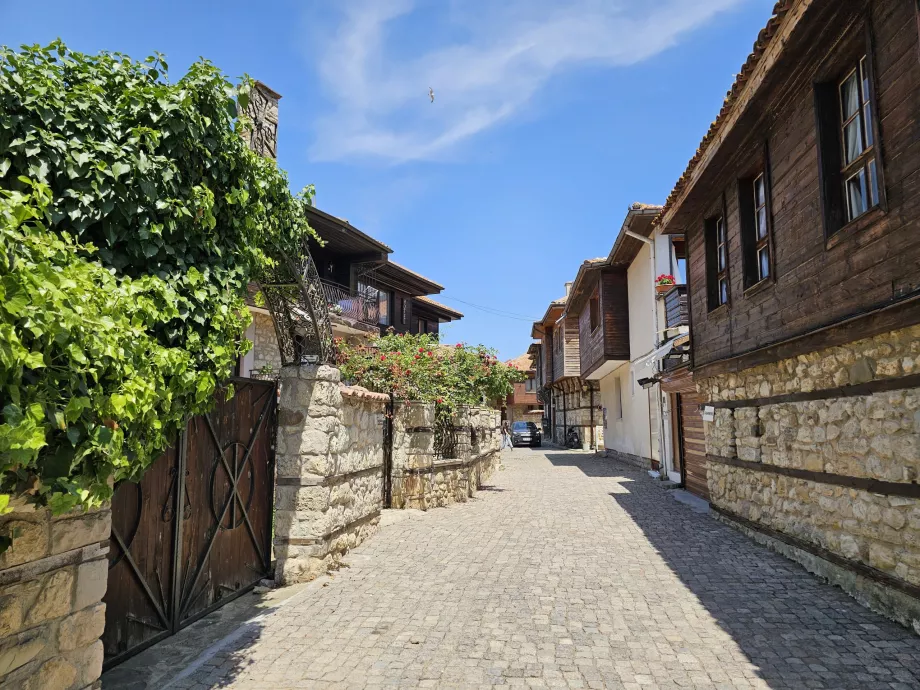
(459, 345)
(421, 349)
(429, 353)
(439, 400)
(418, 356)
(408, 371)
(383, 358)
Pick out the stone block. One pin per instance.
(54, 674)
(30, 539)
(82, 628)
(68, 533)
(17, 651)
(92, 579)
(88, 662)
(55, 598)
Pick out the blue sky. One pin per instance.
(549, 118)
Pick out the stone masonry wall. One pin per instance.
(871, 436)
(577, 406)
(265, 350)
(52, 580)
(329, 470)
(422, 480)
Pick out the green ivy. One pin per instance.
(132, 218)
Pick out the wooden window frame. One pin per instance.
(749, 208)
(856, 54)
(715, 276)
(594, 312)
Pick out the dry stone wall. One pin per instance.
(420, 478)
(265, 349)
(329, 470)
(868, 437)
(52, 580)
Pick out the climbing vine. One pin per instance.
(418, 367)
(132, 218)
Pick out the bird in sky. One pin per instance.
(431, 94)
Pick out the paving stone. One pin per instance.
(573, 572)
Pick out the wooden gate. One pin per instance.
(692, 444)
(195, 532)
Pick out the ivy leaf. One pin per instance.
(119, 169)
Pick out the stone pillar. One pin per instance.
(329, 459)
(413, 454)
(52, 580)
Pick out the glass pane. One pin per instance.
(873, 183)
(763, 261)
(867, 123)
(762, 223)
(849, 97)
(758, 192)
(864, 73)
(721, 258)
(723, 291)
(856, 195)
(852, 140)
(384, 311)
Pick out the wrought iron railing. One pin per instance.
(342, 302)
(445, 435)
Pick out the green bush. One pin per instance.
(417, 367)
(132, 218)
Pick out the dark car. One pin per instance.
(526, 434)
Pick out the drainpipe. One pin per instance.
(593, 438)
(653, 263)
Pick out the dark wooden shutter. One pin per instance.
(748, 231)
(827, 118)
(712, 285)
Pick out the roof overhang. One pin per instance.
(626, 248)
(340, 236)
(392, 275)
(441, 312)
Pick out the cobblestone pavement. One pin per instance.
(571, 572)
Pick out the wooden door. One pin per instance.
(692, 444)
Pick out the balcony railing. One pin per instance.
(675, 307)
(342, 302)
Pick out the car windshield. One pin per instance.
(524, 426)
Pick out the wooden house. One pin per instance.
(801, 211)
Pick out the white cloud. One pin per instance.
(508, 53)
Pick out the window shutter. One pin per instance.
(712, 287)
(748, 231)
(833, 207)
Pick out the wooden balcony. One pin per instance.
(344, 303)
(675, 307)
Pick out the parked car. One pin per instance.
(526, 434)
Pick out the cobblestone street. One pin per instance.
(567, 572)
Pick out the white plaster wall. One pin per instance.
(641, 305)
(631, 433)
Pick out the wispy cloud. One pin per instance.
(508, 53)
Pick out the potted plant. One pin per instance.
(664, 282)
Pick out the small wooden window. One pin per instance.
(593, 308)
(717, 261)
(852, 179)
(756, 235)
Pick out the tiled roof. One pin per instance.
(522, 362)
(764, 39)
(427, 300)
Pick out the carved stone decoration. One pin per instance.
(293, 292)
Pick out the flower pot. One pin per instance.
(661, 289)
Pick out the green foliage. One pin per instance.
(417, 367)
(132, 218)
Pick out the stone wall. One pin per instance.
(868, 437)
(329, 470)
(265, 348)
(421, 479)
(52, 580)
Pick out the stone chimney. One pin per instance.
(568, 287)
(263, 111)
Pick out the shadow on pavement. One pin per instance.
(799, 631)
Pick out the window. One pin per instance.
(717, 261)
(618, 397)
(595, 316)
(859, 167)
(383, 301)
(754, 207)
(679, 248)
(529, 386)
(422, 326)
(851, 175)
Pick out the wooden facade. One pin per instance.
(823, 269)
(603, 320)
(566, 357)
